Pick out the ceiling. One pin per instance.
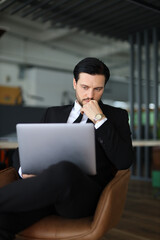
(99, 28)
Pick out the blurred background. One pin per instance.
(42, 41)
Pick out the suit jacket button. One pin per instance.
(100, 140)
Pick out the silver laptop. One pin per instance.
(41, 145)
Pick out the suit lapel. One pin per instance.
(64, 114)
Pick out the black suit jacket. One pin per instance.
(113, 140)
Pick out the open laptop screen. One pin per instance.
(41, 145)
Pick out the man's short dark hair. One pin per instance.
(91, 66)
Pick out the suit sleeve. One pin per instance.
(115, 139)
(49, 116)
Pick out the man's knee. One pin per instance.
(63, 172)
(63, 167)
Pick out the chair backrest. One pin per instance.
(111, 204)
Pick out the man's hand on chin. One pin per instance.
(91, 109)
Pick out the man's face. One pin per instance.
(89, 87)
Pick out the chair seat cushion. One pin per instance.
(55, 227)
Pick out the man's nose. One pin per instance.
(90, 94)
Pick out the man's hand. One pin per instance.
(28, 176)
(91, 109)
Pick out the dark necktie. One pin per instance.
(78, 120)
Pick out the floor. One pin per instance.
(141, 216)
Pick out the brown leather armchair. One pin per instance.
(108, 212)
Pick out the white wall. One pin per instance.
(9, 74)
(40, 87)
(47, 87)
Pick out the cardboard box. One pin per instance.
(10, 95)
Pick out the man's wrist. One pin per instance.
(100, 123)
(98, 117)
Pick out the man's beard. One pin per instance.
(81, 101)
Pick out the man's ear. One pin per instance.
(74, 84)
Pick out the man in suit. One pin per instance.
(63, 188)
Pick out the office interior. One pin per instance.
(41, 42)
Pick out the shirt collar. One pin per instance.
(77, 106)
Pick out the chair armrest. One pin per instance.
(7, 176)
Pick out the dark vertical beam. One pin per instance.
(155, 75)
(131, 88)
(139, 85)
(131, 84)
(147, 100)
(139, 100)
(147, 81)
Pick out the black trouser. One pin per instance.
(62, 189)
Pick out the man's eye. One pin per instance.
(85, 87)
(98, 89)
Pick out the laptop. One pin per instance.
(41, 145)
